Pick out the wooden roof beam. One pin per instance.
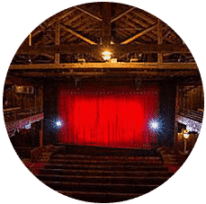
(116, 73)
(138, 35)
(106, 26)
(108, 65)
(118, 49)
(143, 24)
(78, 35)
(145, 17)
(121, 15)
(49, 22)
(88, 13)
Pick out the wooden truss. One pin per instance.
(154, 30)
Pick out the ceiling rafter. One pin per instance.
(167, 34)
(138, 35)
(134, 18)
(121, 15)
(147, 38)
(83, 26)
(125, 35)
(142, 24)
(72, 37)
(82, 33)
(126, 22)
(143, 16)
(88, 13)
(49, 22)
(72, 21)
(78, 35)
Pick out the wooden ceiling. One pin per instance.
(71, 43)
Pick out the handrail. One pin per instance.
(192, 114)
(11, 109)
(13, 114)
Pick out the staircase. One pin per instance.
(172, 158)
(109, 178)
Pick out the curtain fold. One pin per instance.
(117, 118)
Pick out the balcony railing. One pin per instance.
(17, 113)
(191, 114)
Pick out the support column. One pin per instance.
(106, 25)
(160, 39)
(30, 40)
(41, 134)
(167, 113)
(57, 40)
(50, 112)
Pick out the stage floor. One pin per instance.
(96, 150)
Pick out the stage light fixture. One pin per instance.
(186, 134)
(106, 55)
(154, 125)
(58, 123)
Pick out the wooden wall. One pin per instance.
(17, 105)
(191, 97)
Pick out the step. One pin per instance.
(100, 187)
(172, 163)
(91, 157)
(104, 179)
(87, 161)
(102, 197)
(75, 149)
(170, 160)
(89, 172)
(171, 156)
(106, 167)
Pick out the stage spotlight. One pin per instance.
(154, 125)
(58, 123)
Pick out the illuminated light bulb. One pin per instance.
(186, 134)
(154, 125)
(58, 123)
(106, 55)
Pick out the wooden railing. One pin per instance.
(17, 113)
(191, 114)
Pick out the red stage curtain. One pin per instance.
(117, 118)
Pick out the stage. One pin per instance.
(108, 151)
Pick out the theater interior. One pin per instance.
(103, 102)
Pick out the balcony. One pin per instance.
(17, 113)
(191, 118)
(17, 118)
(192, 114)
